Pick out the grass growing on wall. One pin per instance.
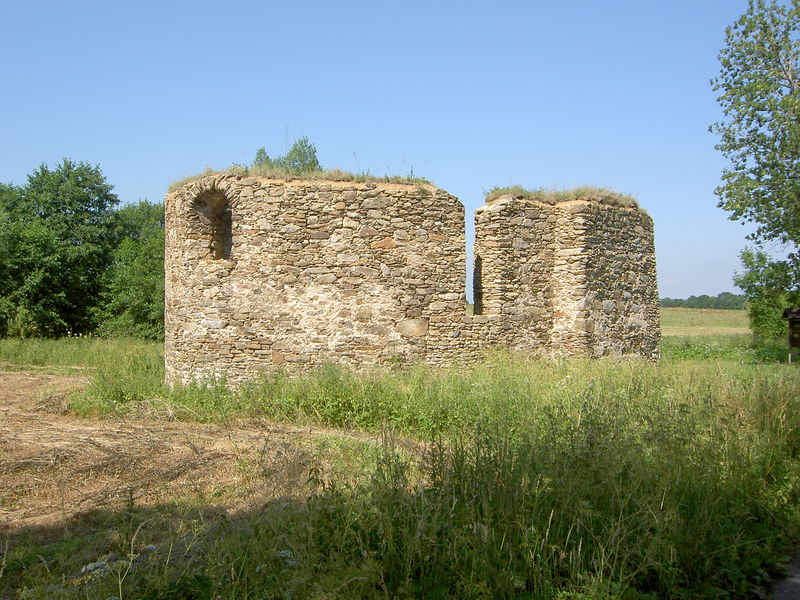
(273, 172)
(588, 193)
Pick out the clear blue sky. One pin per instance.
(469, 94)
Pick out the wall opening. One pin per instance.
(214, 211)
(477, 286)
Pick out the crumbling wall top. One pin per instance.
(553, 197)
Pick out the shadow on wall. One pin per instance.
(214, 211)
(477, 286)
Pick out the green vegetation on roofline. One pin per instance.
(588, 193)
(321, 174)
(300, 162)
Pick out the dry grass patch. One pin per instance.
(703, 321)
(585, 193)
(273, 172)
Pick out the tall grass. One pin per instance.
(612, 492)
(741, 348)
(420, 401)
(555, 479)
(89, 352)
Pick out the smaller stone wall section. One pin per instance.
(621, 308)
(577, 277)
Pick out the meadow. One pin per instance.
(683, 322)
(555, 478)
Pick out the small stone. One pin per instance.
(386, 242)
(373, 203)
(101, 566)
(213, 323)
(367, 231)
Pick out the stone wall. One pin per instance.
(515, 247)
(313, 272)
(263, 272)
(576, 277)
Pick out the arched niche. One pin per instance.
(214, 215)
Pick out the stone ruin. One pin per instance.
(264, 273)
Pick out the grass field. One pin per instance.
(556, 479)
(703, 321)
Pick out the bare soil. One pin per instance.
(54, 466)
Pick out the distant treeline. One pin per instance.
(725, 300)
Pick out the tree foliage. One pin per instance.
(56, 244)
(301, 158)
(766, 283)
(262, 159)
(72, 264)
(759, 86)
(133, 298)
(32, 282)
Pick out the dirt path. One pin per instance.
(53, 466)
(789, 588)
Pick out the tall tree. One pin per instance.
(759, 86)
(57, 241)
(134, 290)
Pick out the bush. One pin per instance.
(766, 283)
(301, 158)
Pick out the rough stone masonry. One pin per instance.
(296, 273)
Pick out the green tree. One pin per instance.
(759, 87)
(32, 282)
(301, 158)
(731, 301)
(262, 159)
(56, 243)
(134, 290)
(766, 283)
(6, 248)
